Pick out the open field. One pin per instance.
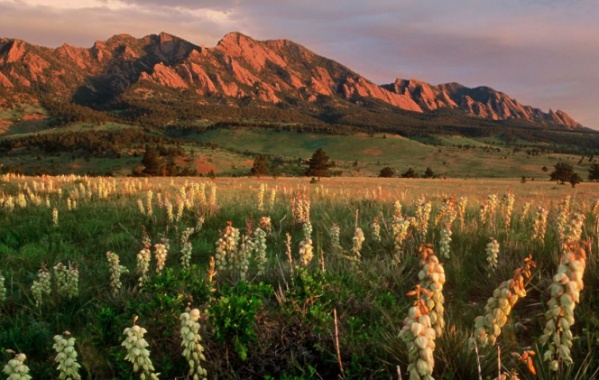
(319, 305)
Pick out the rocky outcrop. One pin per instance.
(238, 67)
(483, 102)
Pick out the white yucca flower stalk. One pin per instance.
(397, 209)
(563, 215)
(448, 213)
(565, 294)
(201, 194)
(508, 206)
(66, 357)
(335, 235)
(212, 198)
(492, 251)
(143, 265)
(540, 225)
(226, 247)
(493, 203)
(487, 328)
(3, 291)
(273, 197)
(140, 207)
(193, 351)
(186, 234)
(72, 281)
(60, 277)
(149, 196)
(41, 287)
(261, 197)
(160, 252)
(16, 369)
(357, 240)
(524, 213)
(300, 207)
(9, 203)
(400, 229)
(376, 230)
(573, 230)
(199, 224)
(445, 241)
(242, 264)
(55, 217)
(423, 213)
(180, 209)
(306, 252)
(260, 247)
(21, 200)
(137, 351)
(159, 200)
(186, 255)
(432, 278)
(115, 272)
(419, 336)
(595, 210)
(169, 210)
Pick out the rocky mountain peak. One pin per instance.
(272, 71)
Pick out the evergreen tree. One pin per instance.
(318, 165)
(386, 172)
(428, 173)
(154, 164)
(410, 173)
(594, 172)
(260, 166)
(575, 179)
(563, 172)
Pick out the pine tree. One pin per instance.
(260, 166)
(318, 165)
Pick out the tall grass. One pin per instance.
(275, 318)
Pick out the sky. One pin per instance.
(543, 53)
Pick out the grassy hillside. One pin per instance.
(374, 152)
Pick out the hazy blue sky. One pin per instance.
(544, 53)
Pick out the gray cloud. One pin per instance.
(542, 52)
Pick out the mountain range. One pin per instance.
(238, 71)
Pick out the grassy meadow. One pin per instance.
(307, 281)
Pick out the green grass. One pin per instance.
(280, 324)
(372, 153)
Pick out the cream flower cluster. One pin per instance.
(42, 286)
(419, 336)
(192, 346)
(488, 327)
(160, 252)
(432, 278)
(226, 247)
(376, 229)
(358, 240)
(16, 369)
(540, 224)
(115, 272)
(565, 294)
(492, 251)
(306, 251)
(138, 353)
(260, 248)
(335, 236)
(66, 357)
(142, 267)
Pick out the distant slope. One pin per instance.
(123, 72)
